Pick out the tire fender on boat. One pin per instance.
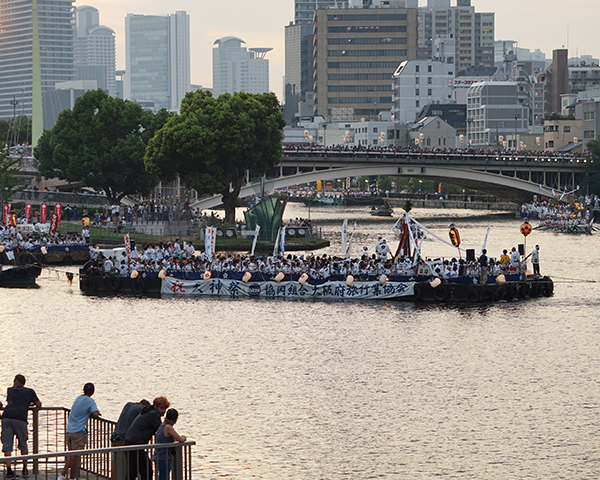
(114, 283)
(441, 293)
(486, 295)
(418, 293)
(88, 284)
(68, 260)
(138, 286)
(472, 295)
(510, 291)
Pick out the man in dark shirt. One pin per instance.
(483, 263)
(140, 432)
(14, 420)
(117, 439)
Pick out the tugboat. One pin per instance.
(384, 210)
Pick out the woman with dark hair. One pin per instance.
(166, 434)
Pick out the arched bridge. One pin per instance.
(508, 176)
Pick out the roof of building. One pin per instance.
(228, 39)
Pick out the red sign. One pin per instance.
(27, 212)
(58, 210)
(6, 212)
(43, 212)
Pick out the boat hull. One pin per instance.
(231, 285)
(20, 276)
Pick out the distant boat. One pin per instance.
(384, 210)
(20, 276)
(324, 200)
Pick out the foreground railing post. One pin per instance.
(36, 438)
(178, 464)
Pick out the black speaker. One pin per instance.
(521, 249)
(470, 255)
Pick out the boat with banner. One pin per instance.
(369, 276)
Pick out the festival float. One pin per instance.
(421, 279)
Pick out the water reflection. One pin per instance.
(344, 390)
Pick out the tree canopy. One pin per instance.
(592, 168)
(101, 144)
(10, 183)
(214, 141)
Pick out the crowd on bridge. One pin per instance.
(527, 155)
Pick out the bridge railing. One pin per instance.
(47, 444)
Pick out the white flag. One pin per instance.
(209, 242)
(254, 241)
(344, 237)
(282, 241)
(276, 247)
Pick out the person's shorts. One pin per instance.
(76, 441)
(10, 428)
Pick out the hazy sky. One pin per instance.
(543, 24)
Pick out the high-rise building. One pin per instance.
(474, 32)
(238, 69)
(157, 59)
(94, 50)
(357, 50)
(33, 60)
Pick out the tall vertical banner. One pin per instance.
(53, 222)
(58, 210)
(127, 245)
(6, 212)
(344, 237)
(255, 239)
(209, 242)
(27, 212)
(282, 242)
(43, 212)
(276, 246)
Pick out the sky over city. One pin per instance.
(543, 24)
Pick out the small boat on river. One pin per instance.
(20, 276)
(384, 210)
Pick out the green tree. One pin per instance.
(10, 182)
(20, 134)
(214, 141)
(101, 143)
(592, 168)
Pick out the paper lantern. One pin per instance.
(246, 278)
(383, 279)
(501, 278)
(1, 248)
(279, 277)
(525, 228)
(436, 282)
(349, 280)
(44, 250)
(134, 274)
(85, 221)
(206, 275)
(162, 274)
(303, 278)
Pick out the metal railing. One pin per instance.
(47, 444)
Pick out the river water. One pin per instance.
(273, 389)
